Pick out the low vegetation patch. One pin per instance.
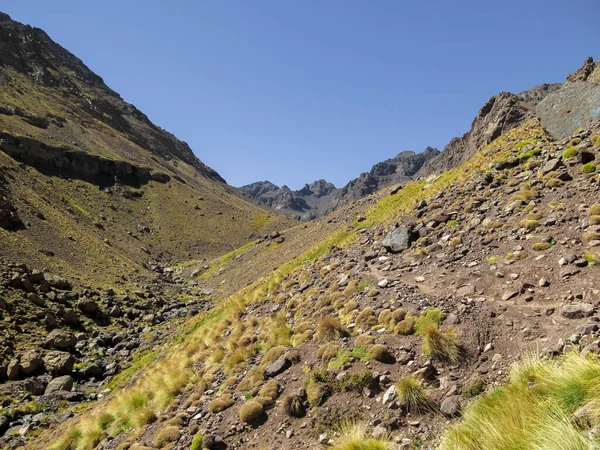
(571, 152)
(354, 436)
(548, 404)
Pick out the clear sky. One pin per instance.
(296, 90)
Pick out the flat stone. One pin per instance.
(577, 311)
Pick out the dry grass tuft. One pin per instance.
(441, 346)
(330, 329)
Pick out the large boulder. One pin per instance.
(59, 363)
(61, 339)
(64, 383)
(399, 240)
(30, 362)
(277, 367)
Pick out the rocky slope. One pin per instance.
(321, 197)
(443, 283)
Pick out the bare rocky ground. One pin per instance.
(508, 256)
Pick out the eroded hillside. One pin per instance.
(397, 320)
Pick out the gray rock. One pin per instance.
(35, 385)
(277, 367)
(36, 299)
(61, 339)
(577, 311)
(64, 383)
(551, 165)
(12, 370)
(3, 423)
(379, 432)
(398, 240)
(389, 396)
(450, 407)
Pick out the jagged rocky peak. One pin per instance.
(317, 188)
(259, 188)
(590, 72)
(322, 197)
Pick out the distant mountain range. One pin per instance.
(560, 107)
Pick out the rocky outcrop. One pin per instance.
(72, 163)
(500, 113)
(576, 105)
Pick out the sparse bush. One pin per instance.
(354, 436)
(411, 394)
(166, 435)
(571, 152)
(554, 182)
(588, 168)
(318, 387)
(405, 327)
(269, 391)
(384, 317)
(381, 353)
(220, 403)
(591, 236)
(363, 340)
(330, 329)
(398, 315)
(441, 346)
(594, 220)
(328, 351)
(251, 411)
(362, 286)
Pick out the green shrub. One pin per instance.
(346, 356)
(588, 168)
(430, 316)
(473, 389)
(197, 442)
(571, 152)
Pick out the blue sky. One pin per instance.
(296, 90)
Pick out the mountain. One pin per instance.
(145, 304)
(321, 197)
